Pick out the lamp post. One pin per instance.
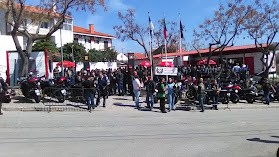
(61, 48)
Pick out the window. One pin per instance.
(76, 39)
(87, 40)
(106, 44)
(25, 22)
(96, 41)
(67, 25)
(44, 25)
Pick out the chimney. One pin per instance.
(91, 28)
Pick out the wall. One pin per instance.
(93, 44)
(6, 44)
(67, 37)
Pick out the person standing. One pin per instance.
(266, 89)
(161, 95)
(120, 79)
(3, 89)
(89, 92)
(136, 89)
(215, 94)
(171, 94)
(102, 89)
(150, 89)
(201, 94)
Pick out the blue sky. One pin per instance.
(192, 13)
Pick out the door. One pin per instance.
(249, 61)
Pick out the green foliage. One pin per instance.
(77, 49)
(47, 44)
(107, 55)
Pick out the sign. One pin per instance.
(171, 71)
(86, 58)
(131, 61)
(185, 58)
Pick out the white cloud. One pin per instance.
(117, 5)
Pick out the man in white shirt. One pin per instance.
(136, 88)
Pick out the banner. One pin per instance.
(171, 71)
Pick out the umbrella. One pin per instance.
(166, 64)
(66, 64)
(204, 61)
(146, 64)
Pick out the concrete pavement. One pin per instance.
(132, 133)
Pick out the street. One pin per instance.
(236, 133)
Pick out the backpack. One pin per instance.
(150, 87)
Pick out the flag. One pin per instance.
(151, 27)
(181, 30)
(165, 29)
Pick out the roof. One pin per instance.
(139, 55)
(77, 29)
(36, 10)
(204, 51)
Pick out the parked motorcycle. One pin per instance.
(30, 88)
(55, 89)
(248, 94)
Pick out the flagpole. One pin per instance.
(150, 42)
(166, 46)
(180, 49)
(150, 54)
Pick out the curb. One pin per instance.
(45, 109)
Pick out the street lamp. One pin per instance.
(61, 48)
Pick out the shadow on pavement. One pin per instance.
(263, 141)
(120, 99)
(21, 99)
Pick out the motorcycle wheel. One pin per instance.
(7, 100)
(190, 95)
(250, 99)
(37, 98)
(234, 98)
(225, 100)
(61, 99)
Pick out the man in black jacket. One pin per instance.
(150, 89)
(102, 89)
(3, 89)
(89, 92)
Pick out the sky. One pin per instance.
(193, 13)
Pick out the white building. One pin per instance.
(92, 39)
(32, 26)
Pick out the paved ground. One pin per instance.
(115, 103)
(123, 131)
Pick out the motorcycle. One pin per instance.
(30, 88)
(248, 94)
(54, 89)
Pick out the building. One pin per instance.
(44, 25)
(92, 39)
(247, 54)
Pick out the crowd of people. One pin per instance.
(124, 81)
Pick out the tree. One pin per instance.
(46, 10)
(221, 30)
(108, 55)
(173, 34)
(45, 44)
(131, 30)
(262, 27)
(74, 49)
